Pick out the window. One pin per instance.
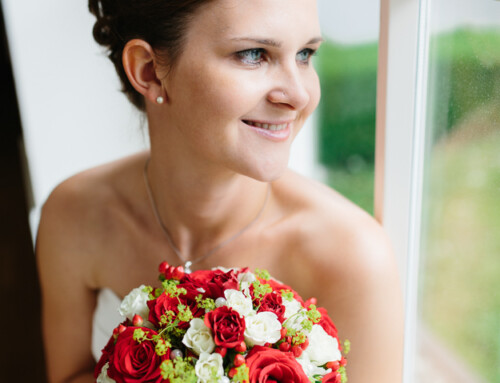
(440, 181)
(347, 66)
(459, 302)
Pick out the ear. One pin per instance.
(139, 63)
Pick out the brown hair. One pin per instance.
(161, 23)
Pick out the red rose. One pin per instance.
(273, 302)
(164, 303)
(278, 286)
(210, 283)
(227, 325)
(199, 277)
(134, 361)
(327, 323)
(271, 365)
(224, 281)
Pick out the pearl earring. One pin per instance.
(160, 100)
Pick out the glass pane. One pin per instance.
(459, 308)
(347, 65)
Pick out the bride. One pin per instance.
(225, 85)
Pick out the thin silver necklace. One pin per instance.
(188, 264)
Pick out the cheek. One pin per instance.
(213, 93)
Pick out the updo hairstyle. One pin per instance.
(161, 23)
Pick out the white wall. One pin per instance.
(350, 22)
(72, 113)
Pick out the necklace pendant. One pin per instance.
(187, 267)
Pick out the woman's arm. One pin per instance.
(367, 307)
(353, 273)
(68, 301)
(368, 310)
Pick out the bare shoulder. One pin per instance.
(79, 215)
(343, 257)
(336, 239)
(331, 217)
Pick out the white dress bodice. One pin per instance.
(106, 318)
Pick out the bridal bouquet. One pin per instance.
(221, 325)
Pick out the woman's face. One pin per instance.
(244, 84)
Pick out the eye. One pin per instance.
(304, 56)
(251, 56)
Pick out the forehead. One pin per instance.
(278, 19)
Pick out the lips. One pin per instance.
(267, 126)
(277, 131)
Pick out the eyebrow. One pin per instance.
(315, 40)
(273, 43)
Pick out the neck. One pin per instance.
(200, 207)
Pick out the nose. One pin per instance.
(289, 87)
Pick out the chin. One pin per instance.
(267, 172)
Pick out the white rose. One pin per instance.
(322, 347)
(209, 368)
(295, 321)
(262, 328)
(239, 302)
(103, 376)
(291, 307)
(245, 280)
(310, 369)
(199, 337)
(135, 303)
(246, 277)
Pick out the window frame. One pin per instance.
(400, 146)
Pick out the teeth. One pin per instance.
(267, 126)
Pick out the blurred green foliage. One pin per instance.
(460, 285)
(347, 118)
(347, 109)
(464, 73)
(461, 267)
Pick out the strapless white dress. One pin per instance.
(106, 318)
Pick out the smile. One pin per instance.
(274, 127)
(280, 131)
